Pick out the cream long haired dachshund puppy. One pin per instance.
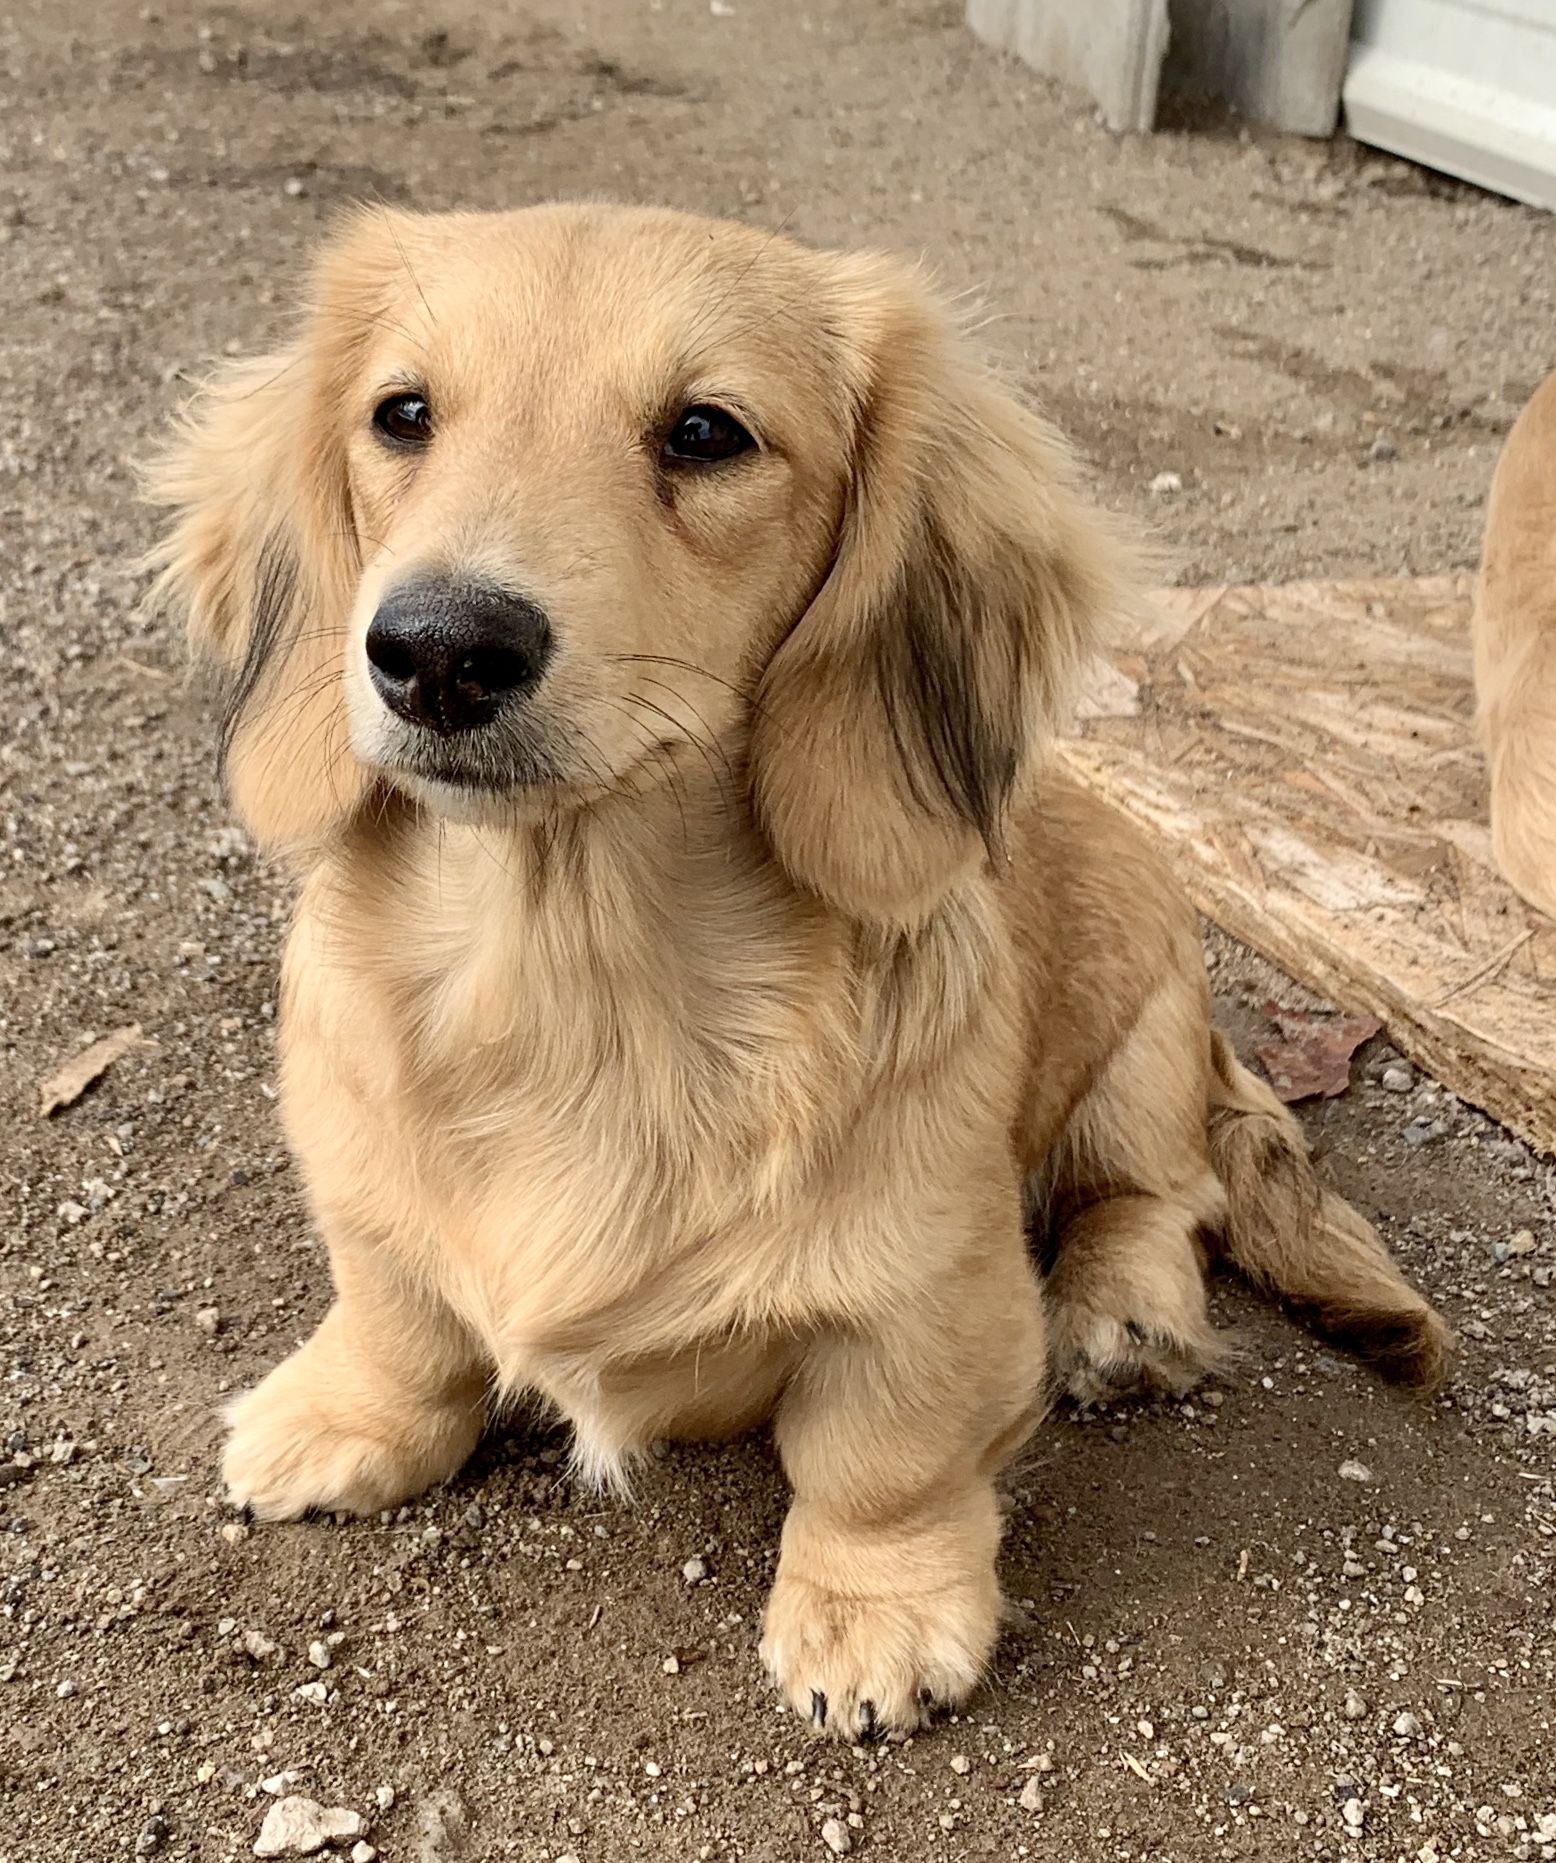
(646, 636)
(1515, 651)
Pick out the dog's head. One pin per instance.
(539, 504)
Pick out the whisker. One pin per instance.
(636, 698)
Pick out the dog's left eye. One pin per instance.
(705, 435)
(404, 419)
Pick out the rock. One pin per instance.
(1166, 485)
(1354, 1813)
(365, 1853)
(1355, 1707)
(1355, 1471)
(319, 1654)
(835, 1835)
(257, 1645)
(298, 1827)
(316, 1692)
(1382, 449)
(294, 186)
(1031, 1798)
(1398, 1078)
(209, 1321)
(1406, 1727)
(961, 1763)
(152, 1835)
(694, 1571)
(383, 1797)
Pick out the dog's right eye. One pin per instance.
(404, 419)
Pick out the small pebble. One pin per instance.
(209, 1321)
(1398, 1079)
(1354, 1812)
(961, 1763)
(694, 1571)
(1032, 1794)
(835, 1835)
(319, 1654)
(294, 186)
(1406, 1727)
(364, 1852)
(1355, 1707)
(1355, 1471)
(1383, 448)
(152, 1835)
(1166, 485)
(297, 1827)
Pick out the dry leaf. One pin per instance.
(1312, 1058)
(67, 1084)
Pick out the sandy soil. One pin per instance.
(1220, 1647)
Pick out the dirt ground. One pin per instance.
(1220, 1645)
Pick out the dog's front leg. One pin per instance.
(384, 1400)
(886, 1602)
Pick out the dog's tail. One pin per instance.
(1292, 1237)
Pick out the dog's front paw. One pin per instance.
(309, 1438)
(860, 1667)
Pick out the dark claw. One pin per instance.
(818, 1707)
(926, 1700)
(1135, 1330)
(867, 1723)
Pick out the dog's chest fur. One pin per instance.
(590, 1095)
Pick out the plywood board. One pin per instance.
(1308, 753)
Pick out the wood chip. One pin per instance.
(1321, 787)
(68, 1082)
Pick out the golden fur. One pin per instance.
(1515, 652)
(696, 1073)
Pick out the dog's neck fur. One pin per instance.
(645, 961)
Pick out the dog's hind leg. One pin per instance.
(1130, 1198)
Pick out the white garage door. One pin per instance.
(1466, 86)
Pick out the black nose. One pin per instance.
(449, 655)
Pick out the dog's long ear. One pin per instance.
(900, 716)
(262, 558)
